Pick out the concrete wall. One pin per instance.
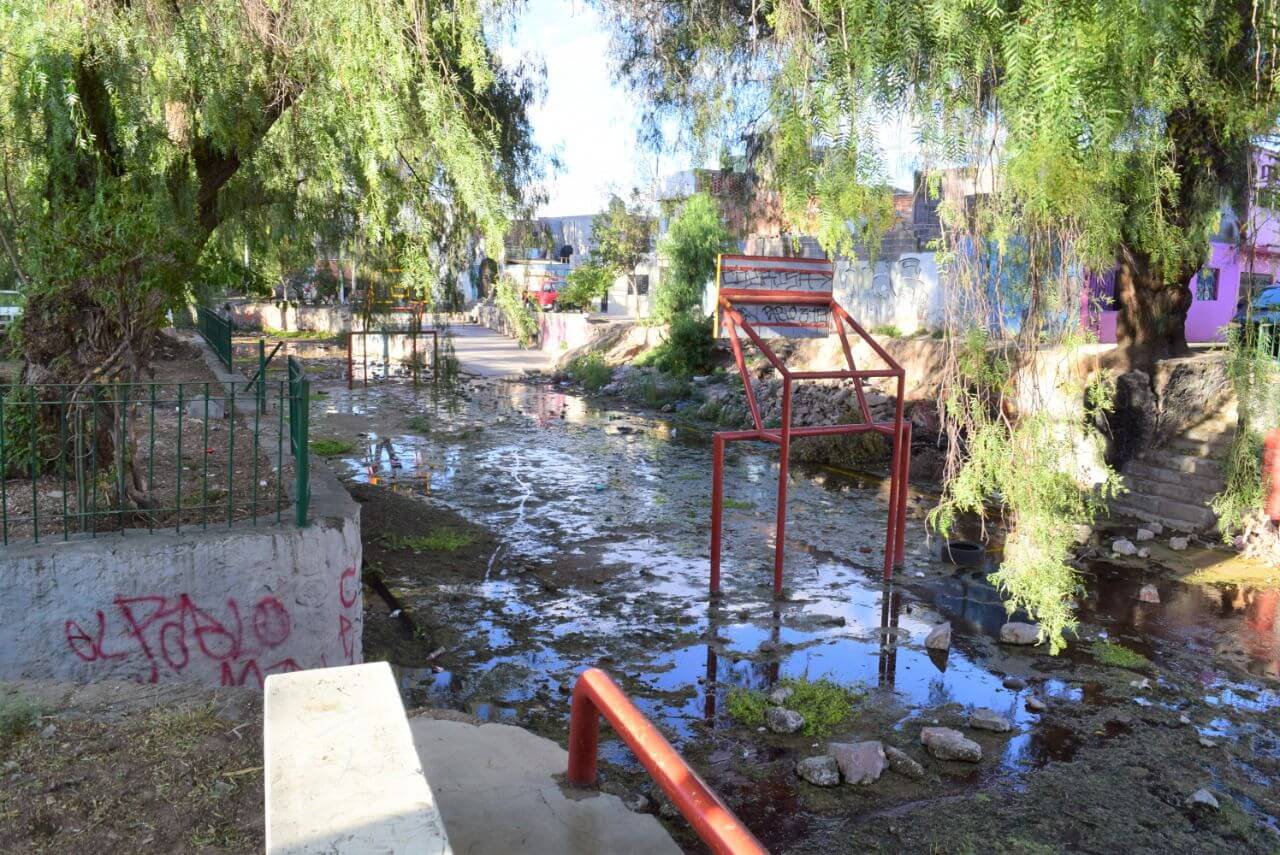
(291, 317)
(222, 606)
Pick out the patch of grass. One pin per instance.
(887, 330)
(739, 504)
(687, 350)
(658, 393)
(746, 707)
(1117, 655)
(436, 540)
(330, 447)
(303, 335)
(17, 716)
(591, 371)
(419, 424)
(823, 703)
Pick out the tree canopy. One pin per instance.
(696, 237)
(136, 137)
(623, 235)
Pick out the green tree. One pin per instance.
(696, 237)
(1120, 127)
(586, 283)
(135, 134)
(623, 236)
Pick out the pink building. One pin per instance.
(1233, 274)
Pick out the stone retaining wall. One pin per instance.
(223, 606)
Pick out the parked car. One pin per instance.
(1263, 314)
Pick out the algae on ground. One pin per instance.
(1110, 653)
(823, 703)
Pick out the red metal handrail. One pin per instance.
(595, 695)
(1271, 474)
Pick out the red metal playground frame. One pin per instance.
(729, 299)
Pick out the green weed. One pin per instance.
(17, 716)
(419, 424)
(887, 330)
(436, 540)
(1117, 655)
(330, 447)
(823, 703)
(302, 335)
(739, 504)
(591, 371)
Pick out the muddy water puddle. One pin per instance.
(612, 510)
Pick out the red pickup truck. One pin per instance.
(540, 281)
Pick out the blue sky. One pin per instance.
(590, 122)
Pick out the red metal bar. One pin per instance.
(717, 506)
(757, 341)
(595, 695)
(753, 296)
(742, 370)
(895, 486)
(784, 453)
(875, 345)
(900, 550)
(863, 409)
(1271, 473)
(844, 374)
(351, 369)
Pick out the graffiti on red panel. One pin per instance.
(170, 633)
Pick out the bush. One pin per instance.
(331, 447)
(591, 371)
(687, 350)
(17, 716)
(697, 235)
(823, 703)
(519, 318)
(586, 284)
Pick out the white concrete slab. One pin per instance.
(342, 774)
(489, 354)
(497, 792)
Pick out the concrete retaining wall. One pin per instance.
(222, 606)
(291, 317)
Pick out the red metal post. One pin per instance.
(596, 695)
(900, 551)
(784, 453)
(895, 485)
(717, 507)
(1271, 474)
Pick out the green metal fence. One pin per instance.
(217, 331)
(97, 459)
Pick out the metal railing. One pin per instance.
(217, 331)
(155, 456)
(595, 695)
(1266, 338)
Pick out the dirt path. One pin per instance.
(118, 767)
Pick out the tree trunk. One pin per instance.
(1152, 321)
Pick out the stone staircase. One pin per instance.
(1173, 483)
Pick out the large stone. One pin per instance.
(947, 744)
(1202, 798)
(1035, 704)
(780, 720)
(859, 762)
(1177, 544)
(1149, 594)
(984, 718)
(781, 695)
(1145, 534)
(821, 771)
(1154, 527)
(1122, 546)
(903, 763)
(939, 638)
(1015, 632)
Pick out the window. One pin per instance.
(1207, 284)
(642, 284)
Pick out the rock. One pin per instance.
(1015, 632)
(1184, 719)
(781, 695)
(939, 638)
(780, 720)
(859, 762)
(947, 744)
(821, 771)
(1015, 683)
(48, 732)
(221, 789)
(1149, 594)
(1082, 534)
(1154, 527)
(1177, 544)
(1035, 704)
(668, 408)
(1145, 534)
(903, 763)
(637, 802)
(1122, 546)
(1144, 553)
(195, 409)
(1202, 798)
(1206, 742)
(984, 718)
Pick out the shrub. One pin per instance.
(17, 716)
(330, 447)
(591, 371)
(521, 320)
(823, 703)
(1117, 655)
(687, 350)
(586, 284)
(697, 235)
(887, 330)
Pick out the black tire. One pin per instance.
(964, 553)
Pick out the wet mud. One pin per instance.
(587, 546)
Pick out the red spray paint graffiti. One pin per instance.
(349, 595)
(169, 632)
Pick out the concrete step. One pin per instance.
(1211, 431)
(1180, 463)
(1211, 449)
(1172, 514)
(1197, 491)
(1138, 475)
